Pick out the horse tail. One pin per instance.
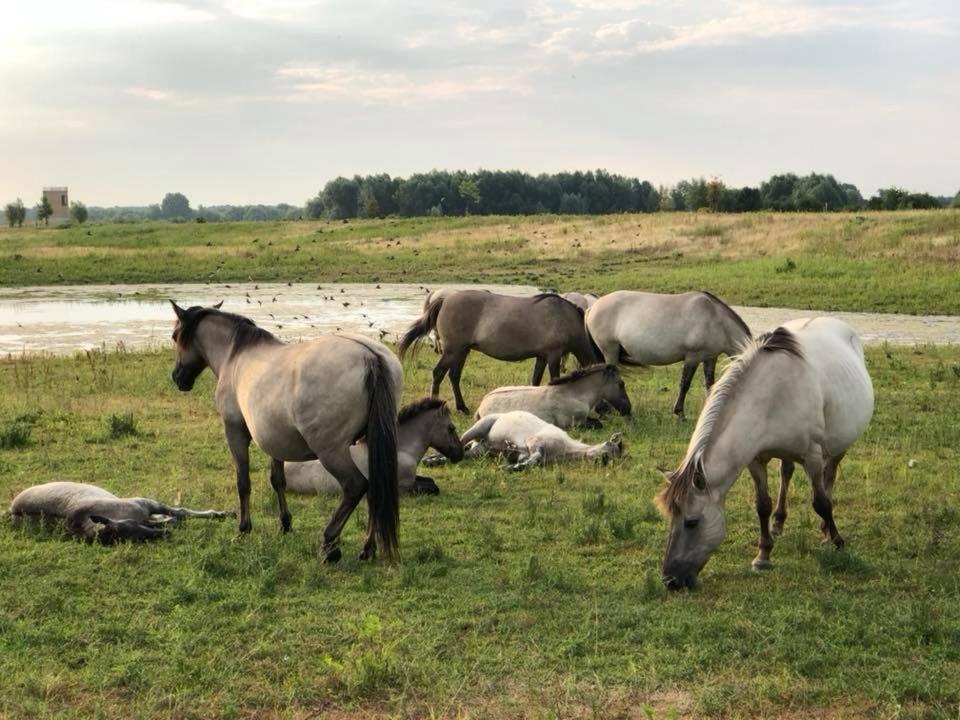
(421, 327)
(593, 343)
(383, 492)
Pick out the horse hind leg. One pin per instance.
(539, 365)
(758, 471)
(780, 512)
(553, 364)
(279, 482)
(709, 372)
(817, 471)
(456, 368)
(354, 486)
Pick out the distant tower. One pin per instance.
(59, 202)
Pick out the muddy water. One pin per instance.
(67, 319)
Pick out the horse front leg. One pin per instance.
(758, 471)
(553, 364)
(539, 365)
(780, 512)
(686, 377)
(709, 372)
(456, 368)
(238, 439)
(354, 486)
(279, 482)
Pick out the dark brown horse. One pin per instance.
(504, 327)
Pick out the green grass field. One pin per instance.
(903, 261)
(518, 596)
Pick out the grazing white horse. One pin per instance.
(425, 423)
(566, 401)
(641, 328)
(800, 393)
(92, 513)
(527, 440)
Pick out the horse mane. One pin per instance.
(730, 312)
(674, 495)
(581, 373)
(540, 297)
(412, 410)
(246, 333)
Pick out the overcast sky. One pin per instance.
(245, 101)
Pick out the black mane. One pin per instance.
(731, 312)
(582, 373)
(246, 333)
(544, 296)
(409, 412)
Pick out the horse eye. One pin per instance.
(691, 522)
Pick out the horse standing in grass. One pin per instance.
(423, 424)
(566, 401)
(640, 328)
(94, 514)
(800, 393)
(504, 327)
(302, 401)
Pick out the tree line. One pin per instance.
(512, 192)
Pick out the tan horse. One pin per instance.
(802, 394)
(564, 402)
(423, 424)
(302, 401)
(504, 327)
(640, 328)
(94, 514)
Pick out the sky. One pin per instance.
(257, 101)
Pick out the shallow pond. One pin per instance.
(70, 318)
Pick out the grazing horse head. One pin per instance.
(614, 391)
(190, 359)
(697, 524)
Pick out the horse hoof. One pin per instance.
(332, 555)
(286, 523)
(245, 527)
(368, 554)
(838, 542)
(776, 530)
(759, 564)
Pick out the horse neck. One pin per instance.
(736, 336)
(413, 436)
(213, 339)
(586, 389)
(592, 451)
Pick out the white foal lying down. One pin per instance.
(527, 440)
(566, 401)
(92, 513)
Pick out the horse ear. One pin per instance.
(218, 305)
(667, 473)
(178, 310)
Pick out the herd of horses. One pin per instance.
(327, 413)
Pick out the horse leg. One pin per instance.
(424, 486)
(709, 372)
(758, 471)
(158, 508)
(279, 482)
(456, 367)
(780, 513)
(238, 439)
(686, 377)
(354, 486)
(539, 365)
(534, 458)
(553, 364)
(439, 370)
(822, 504)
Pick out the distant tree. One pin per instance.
(341, 198)
(154, 212)
(694, 192)
(677, 198)
(44, 210)
(777, 192)
(666, 199)
(573, 204)
(956, 200)
(470, 192)
(16, 213)
(748, 200)
(714, 191)
(314, 208)
(855, 200)
(647, 197)
(922, 201)
(175, 206)
(78, 211)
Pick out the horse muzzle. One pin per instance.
(184, 377)
(680, 576)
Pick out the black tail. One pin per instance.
(593, 345)
(421, 327)
(383, 492)
(622, 357)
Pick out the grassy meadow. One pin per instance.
(903, 261)
(535, 595)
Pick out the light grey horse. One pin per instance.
(581, 300)
(800, 393)
(504, 327)
(94, 514)
(527, 440)
(566, 401)
(640, 328)
(301, 401)
(423, 424)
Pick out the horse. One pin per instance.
(430, 297)
(509, 328)
(94, 514)
(423, 424)
(640, 328)
(527, 440)
(302, 401)
(566, 401)
(581, 300)
(800, 393)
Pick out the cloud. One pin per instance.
(151, 94)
